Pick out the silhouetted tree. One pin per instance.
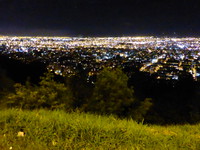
(111, 93)
(81, 89)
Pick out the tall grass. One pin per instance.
(49, 130)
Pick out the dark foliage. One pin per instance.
(110, 92)
(19, 72)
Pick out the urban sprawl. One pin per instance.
(163, 58)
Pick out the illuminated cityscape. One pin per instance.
(99, 74)
(162, 58)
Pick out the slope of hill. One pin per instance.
(42, 129)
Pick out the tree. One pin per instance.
(49, 94)
(54, 94)
(111, 93)
(79, 86)
(6, 86)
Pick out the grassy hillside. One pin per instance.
(59, 130)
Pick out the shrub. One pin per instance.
(49, 94)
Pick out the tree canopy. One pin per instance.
(111, 93)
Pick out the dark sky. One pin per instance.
(100, 17)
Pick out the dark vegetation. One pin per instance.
(122, 92)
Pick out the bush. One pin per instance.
(49, 94)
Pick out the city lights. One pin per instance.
(166, 58)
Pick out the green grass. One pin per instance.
(59, 130)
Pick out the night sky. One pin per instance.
(100, 17)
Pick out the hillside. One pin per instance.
(59, 130)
